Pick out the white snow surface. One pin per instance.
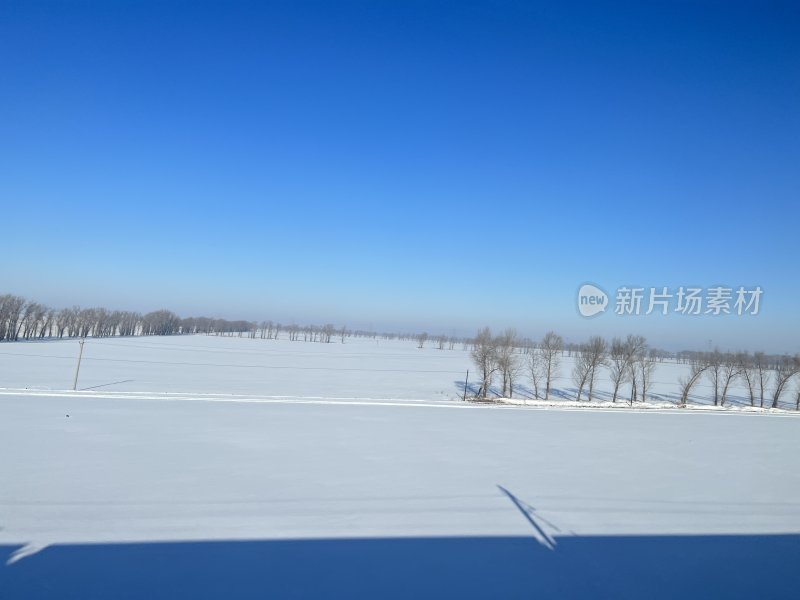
(359, 368)
(294, 446)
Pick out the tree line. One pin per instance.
(629, 364)
(21, 319)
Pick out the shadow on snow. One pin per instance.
(724, 566)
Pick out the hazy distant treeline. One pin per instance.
(22, 319)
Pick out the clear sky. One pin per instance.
(404, 165)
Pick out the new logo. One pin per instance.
(591, 300)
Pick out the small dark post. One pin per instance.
(466, 380)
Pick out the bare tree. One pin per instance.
(552, 346)
(646, 365)
(785, 370)
(697, 366)
(67, 318)
(713, 361)
(328, 330)
(86, 319)
(763, 375)
(594, 356)
(47, 324)
(484, 355)
(731, 370)
(580, 372)
(749, 373)
(537, 370)
(421, 339)
(11, 308)
(159, 322)
(634, 380)
(32, 317)
(620, 359)
(507, 361)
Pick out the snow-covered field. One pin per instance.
(226, 467)
(359, 369)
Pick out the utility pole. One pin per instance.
(78, 368)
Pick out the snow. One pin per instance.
(359, 368)
(128, 469)
(197, 453)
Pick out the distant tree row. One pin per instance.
(21, 319)
(765, 377)
(630, 363)
(508, 357)
(24, 320)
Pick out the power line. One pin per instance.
(192, 364)
(561, 378)
(184, 348)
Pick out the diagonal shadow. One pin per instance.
(529, 512)
(94, 387)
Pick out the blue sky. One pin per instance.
(414, 165)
